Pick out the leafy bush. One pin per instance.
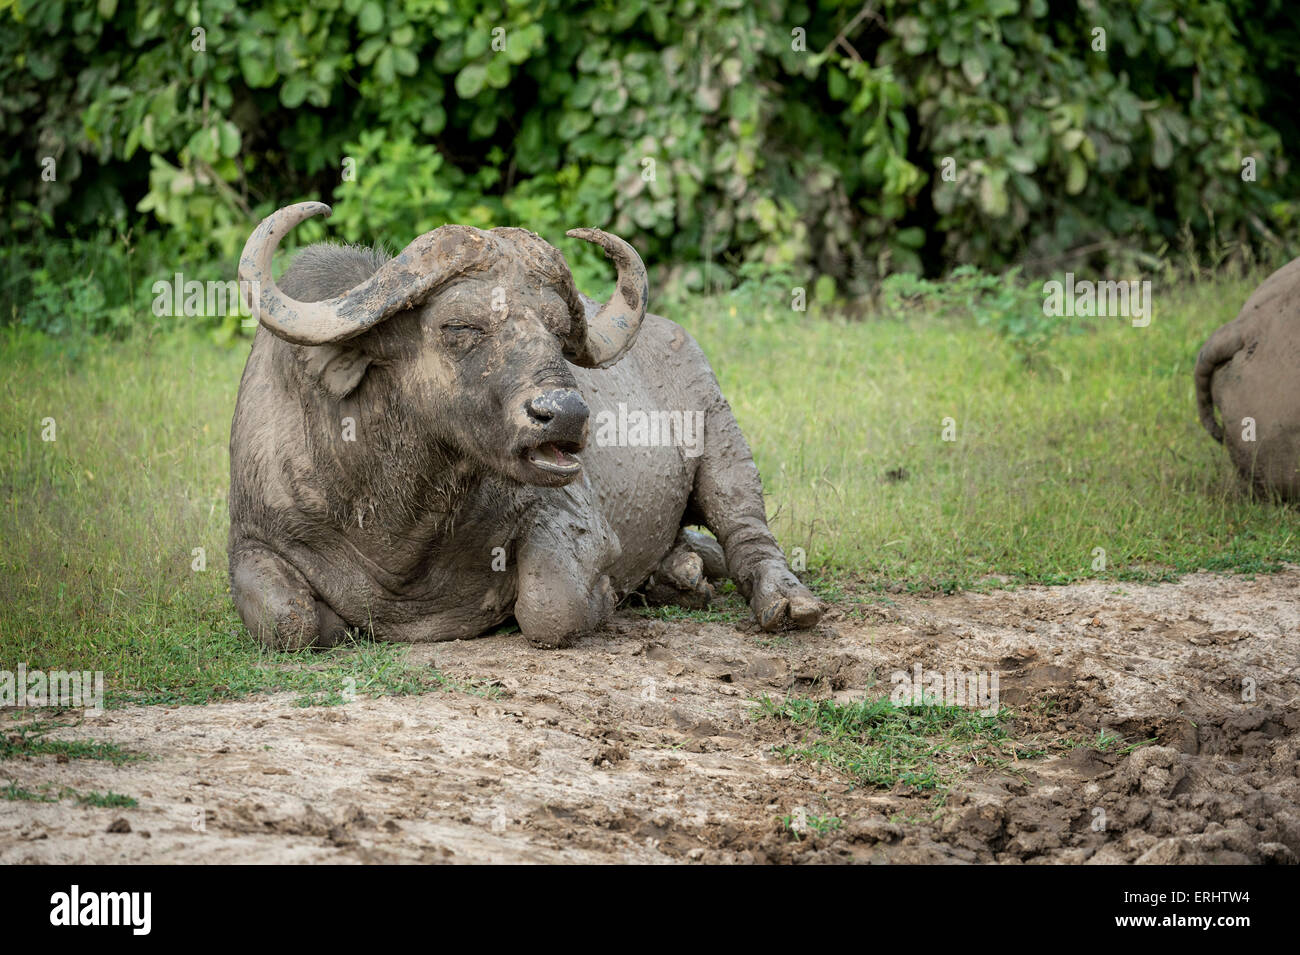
(1004, 303)
(837, 143)
(76, 286)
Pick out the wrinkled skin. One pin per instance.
(1250, 368)
(473, 490)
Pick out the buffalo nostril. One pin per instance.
(559, 409)
(538, 410)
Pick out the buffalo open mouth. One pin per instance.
(555, 457)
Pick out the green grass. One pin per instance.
(810, 825)
(926, 747)
(30, 740)
(410, 680)
(1096, 445)
(729, 609)
(15, 793)
(878, 743)
(1106, 742)
(108, 800)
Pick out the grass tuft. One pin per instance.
(30, 740)
(878, 743)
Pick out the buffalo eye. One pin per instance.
(461, 333)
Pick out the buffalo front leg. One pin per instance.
(563, 589)
(277, 604)
(728, 494)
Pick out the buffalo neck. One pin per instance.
(389, 490)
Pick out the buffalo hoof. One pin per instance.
(779, 600)
(680, 580)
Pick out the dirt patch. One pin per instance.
(640, 745)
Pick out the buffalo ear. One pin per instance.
(337, 369)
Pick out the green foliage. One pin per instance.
(46, 793)
(720, 138)
(1075, 143)
(15, 793)
(1004, 303)
(76, 287)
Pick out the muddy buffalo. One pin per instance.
(1249, 370)
(410, 452)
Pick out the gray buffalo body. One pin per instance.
(494, 446)
(1249, 372)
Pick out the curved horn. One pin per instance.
(401, 283)
(612, 329)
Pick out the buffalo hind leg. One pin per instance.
(682, 578)
(728, 494)
(277, 604)
(711, 553)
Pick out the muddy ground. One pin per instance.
(640, 745)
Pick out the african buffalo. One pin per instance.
(1249, 370)
(404, 455)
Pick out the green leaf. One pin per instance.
(1028, 190)
(824, 289)
(609, 101)
(1076, 177)
(837, 84)
(520, 42)
(229, 139)
(471, 80)
(477, 43)
(993, 194)
(1021, 162)
(42, 65)
(913, 33)
(572, 123)
(974, 66)
(498, 72)
(912, 238)
(294, 91)
(385, 66)
(370, 49)
(404, 61)
(371, 18)
(1162, 147)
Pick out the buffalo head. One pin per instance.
(474, 333)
